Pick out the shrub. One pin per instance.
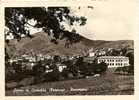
(100, 68)
(92, 68)
(38, 69)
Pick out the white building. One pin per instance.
(102, 53)
(61, 67)
(114, 61)
(91, 54)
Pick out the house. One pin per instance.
(91, 54)
(114, 61)
(61, 67)
(89, 59)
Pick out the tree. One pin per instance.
(131, 62)
(38, 71)
(100, 68)
(49, 19)
(130, 55)
(56, 58)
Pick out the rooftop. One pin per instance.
(109, 57)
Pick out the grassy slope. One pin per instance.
(41, 44)
(109, 84)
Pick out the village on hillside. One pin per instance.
(37, 68)
(103, 55)
(58, 60)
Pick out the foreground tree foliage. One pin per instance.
(49, 19)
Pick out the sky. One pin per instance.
(109, 20)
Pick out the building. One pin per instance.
(61, 67)
(102, 52)
(114, 61)
(91, 54)
(89, 59)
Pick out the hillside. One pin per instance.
(40, 43)
(105, 85)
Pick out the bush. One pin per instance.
(65, 72)
(52, 76)
(92, 68)
(9, 75)
(9, 72)
(38, 69)
(100, 68)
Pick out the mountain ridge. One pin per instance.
(41, 43)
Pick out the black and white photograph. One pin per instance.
(69, 50)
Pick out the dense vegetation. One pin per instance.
(49, 19)
(75, 69)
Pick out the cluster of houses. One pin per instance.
(98, 55)
(99, 52)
